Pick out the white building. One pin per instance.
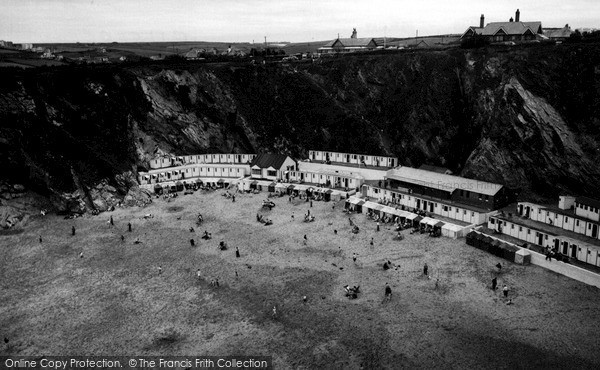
(170, 161)
(194, 171)
(352, 158)
(411, 202)
(582, 220)
(541, 236)
(331, 179)
(271, 166)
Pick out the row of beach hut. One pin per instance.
(447, 229)
(497, 247)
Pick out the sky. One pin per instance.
(46, 21)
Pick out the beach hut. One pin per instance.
(327, 195)
(253, 184)
(470, 238)
(220, 183)
(508, 251)
(271, 187)
(178, 186)
(453, 231)
(523, 257)
(416, 220)
(158, 189)
(495, 247)
(290, 189)
(335, 196)
(280, 188)
(486, 243)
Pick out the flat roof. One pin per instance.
(192, 165)
(353, 165)
(441, 181)
(549, 229)
(448, 202)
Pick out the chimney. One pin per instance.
(481, 21)
(517, 15)
(511, 19)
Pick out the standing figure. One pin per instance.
(129, 226)
(494, 283)
(73, 230)
(505, 291)
(237, 252)
(425, 269)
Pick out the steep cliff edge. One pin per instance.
(526, 117)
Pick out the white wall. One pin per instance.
(367, 173)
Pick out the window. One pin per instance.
(450, 209)
(512, 226)
(547, 213)
(256, 171)
(539, 211)
(546, 237)
(589, 226)
(528, 231)
(446, 209)
(472, 214)
(520, 228)
(271, 173)
(566, 219)
(577, 222)
(465, 212)
(492, 221)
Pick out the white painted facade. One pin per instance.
(193, 171)
(271, 173)
(336, 180)
(352, 158)
(561, 219)
(583, 251)
(170, 161)
(411, 201)
(587, 211)
(366, 173)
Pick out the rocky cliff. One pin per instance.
(527, 117)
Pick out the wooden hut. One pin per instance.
(523, 257)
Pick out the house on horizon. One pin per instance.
(271, 166)
(558, 34)
(346, 45)
(513, 30)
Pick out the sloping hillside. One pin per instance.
(526, 117)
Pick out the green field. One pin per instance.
(113, 301)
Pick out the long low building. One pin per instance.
(412, 201)
(565, 219)
(192, 171)
(460, 190)
(370, 173)
(172, 161)
(352, 158)
(330, 179)
(546, 236)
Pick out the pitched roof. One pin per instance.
(350, 42)
(441, 181)
(511, 28)
(557, 32)
(265, 160)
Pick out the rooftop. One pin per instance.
(511, 28)
(351, 42)
(441, 181)
(265, 160)
(549, 229)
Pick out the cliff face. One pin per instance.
(526, 117)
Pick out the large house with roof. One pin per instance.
(271, 166)
(346, 45)
(513, 30)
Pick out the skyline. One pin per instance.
(56, 21)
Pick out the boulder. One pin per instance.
(10, 217)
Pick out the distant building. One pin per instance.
(558, 34)
(26, 46)
(345, 45)
(513, 30)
